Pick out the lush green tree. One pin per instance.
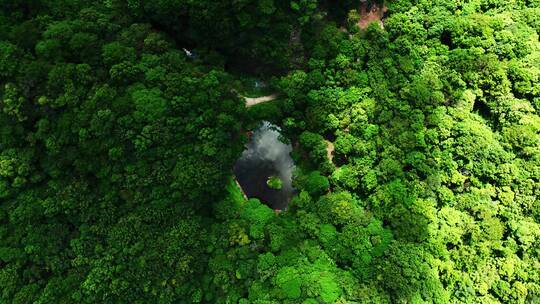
(316, 184)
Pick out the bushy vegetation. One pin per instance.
(117, 146)
(274, 182)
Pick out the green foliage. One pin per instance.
(258, 216)
(315, 147)
(108, 164)
(316, 184)
(271, 111)
(274, 182)
(288, 282)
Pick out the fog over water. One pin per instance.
(266, 155)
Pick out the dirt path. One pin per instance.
(251, 101)
(369, 14)
(329, 150)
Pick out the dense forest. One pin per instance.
(416, 142)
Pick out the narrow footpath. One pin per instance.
(251, 101)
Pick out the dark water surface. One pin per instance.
(265, 156)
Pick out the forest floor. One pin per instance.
(369, 14)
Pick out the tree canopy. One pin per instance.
(416, 142)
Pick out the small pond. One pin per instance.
(266, 156)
